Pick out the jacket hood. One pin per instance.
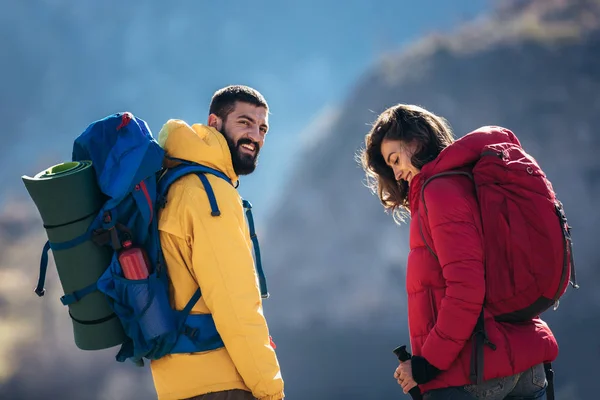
(197, 143)
(468, 149)
(461, 154)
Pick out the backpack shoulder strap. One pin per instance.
(480, 337)
(427, 181)
(187, 167)
(262, 281)
(439, 175)
(170, 175)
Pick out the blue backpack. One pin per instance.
(128, 163)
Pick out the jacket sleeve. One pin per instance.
(224, 268)
(451, 211)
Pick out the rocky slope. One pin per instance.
(336, 260)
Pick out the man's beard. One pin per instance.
(243, 163)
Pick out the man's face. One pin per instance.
(245, 129)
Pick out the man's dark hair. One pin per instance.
(223, 101)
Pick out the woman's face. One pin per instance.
(397, 156)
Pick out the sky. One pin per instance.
(70, 63)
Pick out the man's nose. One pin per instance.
(255, 136)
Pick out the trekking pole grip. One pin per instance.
(403, 355)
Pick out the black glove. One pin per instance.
(422, 371)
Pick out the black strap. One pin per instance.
(94, 322)
(480, 339)
(550, 379)
(476, 375)
(71, 222)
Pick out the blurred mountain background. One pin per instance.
(333, 258)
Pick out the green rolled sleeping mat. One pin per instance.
(68, 199)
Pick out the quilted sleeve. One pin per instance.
(452, 211)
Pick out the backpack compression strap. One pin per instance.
(57, 246)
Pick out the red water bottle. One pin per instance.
(134, 261)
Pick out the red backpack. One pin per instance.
(527, 240)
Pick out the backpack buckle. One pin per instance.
(192, 333)
(556, 304)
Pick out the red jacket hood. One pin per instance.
(459, 155)
(468, 149)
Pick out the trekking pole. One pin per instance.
(404, 355)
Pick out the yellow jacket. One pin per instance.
(215, 253)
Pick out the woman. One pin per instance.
(445, 273)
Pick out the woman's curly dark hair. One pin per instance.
(406, 123)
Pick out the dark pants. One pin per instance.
(235, 394)
(529, 385)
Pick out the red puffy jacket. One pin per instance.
(445, 295)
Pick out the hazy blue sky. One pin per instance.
(70, 63)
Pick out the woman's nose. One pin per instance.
(398, 174)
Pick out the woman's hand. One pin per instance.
(404, 376)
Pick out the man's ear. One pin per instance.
(215, 122)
